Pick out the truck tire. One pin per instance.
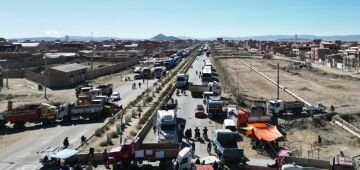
(19, 125)
(67, 118)
(2, 124)
(45, 122)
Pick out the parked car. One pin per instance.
(200, 111)
(115, 96)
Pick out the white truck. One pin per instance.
(185, 160)
(316, 107)
(166, 125)
(138, 74)
(182, 81)
(279, 107)
(198, 90)
(215, 107)
(91, 111)
(160, 71)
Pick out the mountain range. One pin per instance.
(162, 37)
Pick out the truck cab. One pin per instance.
(160, 71)
(214, 106)
(215, 87)
(275, 106)
(229, 124)
(167, 126)
(182, 80)
(137, 73)
(206, 96)
(185, 161)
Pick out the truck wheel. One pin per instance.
(19, 125)
(67, 118)
(45, 122)
(2, 124)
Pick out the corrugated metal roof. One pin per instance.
(69, 67)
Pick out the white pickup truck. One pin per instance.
(316, 107)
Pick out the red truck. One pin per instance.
(42, 113)
(133, 149)
(256, 115)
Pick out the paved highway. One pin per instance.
(22, 153)
(185, 113)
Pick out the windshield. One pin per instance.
(206, 75)
(167, 127)
(232, 128)
(215, 105)
(180, 79)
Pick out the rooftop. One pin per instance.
(69, 67)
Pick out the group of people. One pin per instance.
(215, 165)
(66, 143)
(188, 134)
(134, 85)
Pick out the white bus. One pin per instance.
(206, 74)
(208, 63)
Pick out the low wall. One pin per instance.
(17, 73)
(308, 162)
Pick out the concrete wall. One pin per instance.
(37, 78)
(15, 73)
(111, 69)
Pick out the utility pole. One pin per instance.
(278, 81)
(92, 56)
(45, 77)
(7, 77)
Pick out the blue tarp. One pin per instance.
(66, 153)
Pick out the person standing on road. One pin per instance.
(209, 148)
(66, 142)
(83, 139)
(193, 147)
(139, 85)
(106, 159)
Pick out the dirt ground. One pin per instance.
(24, 92)
(312, 85)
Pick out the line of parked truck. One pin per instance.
(92, 103)
(161, 65)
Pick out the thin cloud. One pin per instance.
(51, 32)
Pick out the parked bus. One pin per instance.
(206, 74)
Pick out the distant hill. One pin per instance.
(71, 38)
(162, 37)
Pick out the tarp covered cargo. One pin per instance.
(269, 134)
(64, 154)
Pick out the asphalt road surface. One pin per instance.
(22, 153)
(185, 114)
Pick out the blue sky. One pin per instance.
(195, 18)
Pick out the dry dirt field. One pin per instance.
(312, 85)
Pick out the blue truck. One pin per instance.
(170, 63)
(225, 144)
